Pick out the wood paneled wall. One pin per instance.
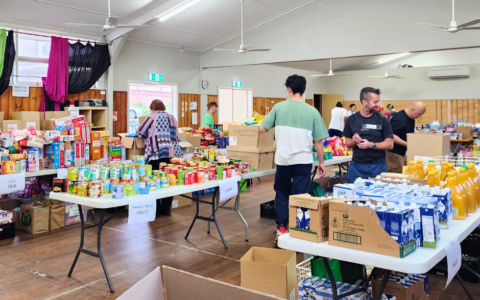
(437, 110)
(264, 105)
(184, 112)
(210, 99)
(120, 105)
(9, 104)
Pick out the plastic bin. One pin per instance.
(7, 231)
(267, 210)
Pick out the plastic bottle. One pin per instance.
(431, 167)
(443, 174)
(451, 167)
(419, 169)
(432, 178)
(469, 190)
(459, 203)
(411, 170)
(472, 174)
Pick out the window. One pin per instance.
(142, 95)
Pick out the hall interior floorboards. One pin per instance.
(36, 266)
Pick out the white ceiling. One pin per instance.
(205, 24)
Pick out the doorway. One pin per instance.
(317, 102)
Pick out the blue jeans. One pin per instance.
(335, 132)
(289, 180)
(365, 171)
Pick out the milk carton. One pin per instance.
(445, 207)
(382, 213)
(343, 190)
(429, 231)
(398, 226)
(417, 227)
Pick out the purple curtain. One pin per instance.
(56, 85)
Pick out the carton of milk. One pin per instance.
(445, 207)
(429, 230)
(344, 190)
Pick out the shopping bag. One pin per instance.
(34, 219)
(57, 214)
(316, 190)
(244, 186)
(318, 268)
(352, 273)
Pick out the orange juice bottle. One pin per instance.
(472, 174)
(461, 189)
(470, 190)
(419, 169)
(458, 201)
(443, 175)
(431, 167)
(432, 178)
(411, 170)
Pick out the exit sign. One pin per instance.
(237, 84)
(156, 77)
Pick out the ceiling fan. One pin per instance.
(110, 24)
(453, 24)
(386, 76)
(330, 73)
(243, 48)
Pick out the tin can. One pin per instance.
(83, 188)
(135, 173)
(175, 172)
(127, 173)
(18, 166)
(107, 186)
(142, 171)
(245, 168)
(194, 179)
(72, 173)
(73, 186)
(211, 155)
(152, 185)
(188, 178)
(219, 173)
(94, 172)
(158, 183)
(126, 180)
(162, 166)
(156, 173)
(59, 185)
(128, 188)
(83, 174)
(180, 177)
(144, 191)
(115, 174)
(142, 184)
(117, 191)
(212, 174)
(148, 169)
(229, 171)
(139, 159)
(165, 182)
(200, 176)
(95, 189)
(104, 173)
(136, 188)
(237, 165)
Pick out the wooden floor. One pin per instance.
(36, 266)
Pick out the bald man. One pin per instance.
(402, 123)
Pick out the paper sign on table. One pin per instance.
(62, 173)
(454, 259)
(228, 189)
(74, 111)
(12, 183)
(142, 209)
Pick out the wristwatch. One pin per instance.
(374, 146)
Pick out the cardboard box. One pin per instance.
(194, 141)
(467, 131)
(141, 120)
(427, 145)
(27, 116)
(35, 124)
(2, 115)
(249, 136)
(104, 133)
(56, 114)
(270, 271)
(187, 147)
(179, 201)
(10, 125)
(318, 230)
(260, 159)
(359, 228)
(415, 291)
(47, 125)
(96, 146)
(134, 146)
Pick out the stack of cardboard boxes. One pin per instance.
(251, 146)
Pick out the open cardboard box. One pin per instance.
(467, 132)
(359, 228)
(187, 147)
(260, 159)
(318, 232)
(416, 291)
(249, 136)
(133, 146)
(427, 144)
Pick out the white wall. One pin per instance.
(414, 85)
(137, 60)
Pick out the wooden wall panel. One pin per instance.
(210, 99)
(309, 101)
(185, 113)
(120, 105)
(265, 105)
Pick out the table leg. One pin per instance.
(213, 199)
(196, 214)
(331, 278)
(99, 250)
(383, 284)
(237, 208)
(82, 229)
(314, 173)
(464, 286)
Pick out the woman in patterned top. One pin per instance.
(160, 131)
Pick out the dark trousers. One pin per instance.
(335, 132)
(163, 205)
(365, 171)
(289, 180)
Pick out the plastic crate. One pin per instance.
(207, 191)
(7, 231)
(267, 210)
(304, 270)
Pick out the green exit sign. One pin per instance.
(156, 77)
(237, 84)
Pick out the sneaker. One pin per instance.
(281, 230)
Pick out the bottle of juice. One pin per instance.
(431, 167)
(432, 178)
(458, 201)
(451, 167)
(411, 170)
(469, 191)
(472, 174)
(419, 169)
(443, 175)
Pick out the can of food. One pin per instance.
(142, 170)
(72, 173)
(126, 180)
(158, 183)
(139, 159)
(117, 191)
(127, 173)
(107, 186)
(73, 186)
(144, 191)
(245, 168)
(142, 184)
(194, 179)
(200, 176)
(181, 177)
(94, 172)
(128, 188)
(219, 173)
(115, 174)
(18, 166)
(175, 172)
(104, 173)
(152, 185)
(95, 189)
(148, 169)
(188, 178)
(165, 182)
(136, 188)
(59, 185)
(83, 188)
(83, 174)
(134, 173)
(162, 166)
(236, 164)
(211, 174)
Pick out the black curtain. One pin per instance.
(86, 64)
(9, 59)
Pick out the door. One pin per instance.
(317, 103)
(328, 103)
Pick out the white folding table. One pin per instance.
(106, 201)
(420, 261)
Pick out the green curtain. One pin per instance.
(3, 42)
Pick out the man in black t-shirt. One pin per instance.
(402, 123)
(369, 134)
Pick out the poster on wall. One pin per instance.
(114, 116)
(193, 105)
(194, 119)
(21, 91)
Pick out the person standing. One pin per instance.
(391, 111)
(337, 123)
(402, 123)
(352, 110)
(369, 134)
(208, 119)
(160, 131)
(297, 126)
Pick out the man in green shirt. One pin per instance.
(297, 126)
(208, 119)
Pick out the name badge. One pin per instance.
(367, 127)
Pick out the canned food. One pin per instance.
(188, 178)
(134, 173)
(219, 173)
(107, 185)
(127, 173)
(73, 186)
(229, 171)
(165, 182)
(83, 174)
(128, 188)
(104, 173)
(95, 189)
(72, 173)
(94, 172)
(117, 191)
(200, 176)
(59, 185)
(83, 188)
(245, 168)
(152, 185)
(136, 188)
(181, 177)
(148, 169)
(115, 174)
(157, 183)
(139, 159)
(212, 174)
(142, 171)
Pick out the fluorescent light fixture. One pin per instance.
(177, 9)
(392, 57)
